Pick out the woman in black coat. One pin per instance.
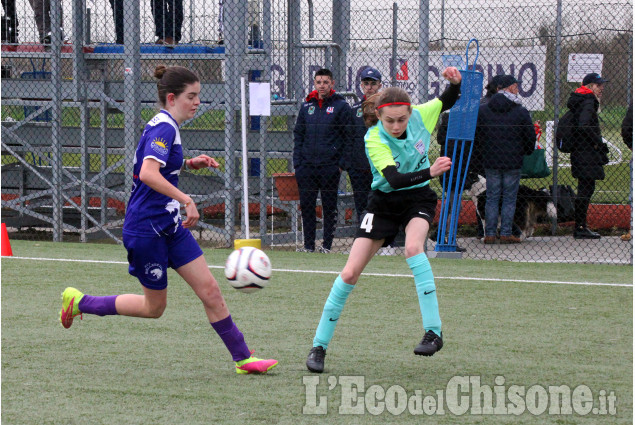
(589, 154)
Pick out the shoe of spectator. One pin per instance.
(509, 239)
(323, 250)
(585, 233)
(626, 237)
(489, 240)
(169, 41)
(47, 39)
(304, 250)
(159, 41)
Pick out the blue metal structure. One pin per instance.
(461, 129)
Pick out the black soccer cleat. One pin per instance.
(430, 344)
(315, 361)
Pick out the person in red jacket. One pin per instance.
(590, 153)
(320, 134)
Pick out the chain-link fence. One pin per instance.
(75, 98)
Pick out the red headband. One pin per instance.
(392, 104)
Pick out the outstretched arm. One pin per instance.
(201, 161)
(452, 93)
(398, 180)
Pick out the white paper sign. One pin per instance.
(260, 99)
(581, 64)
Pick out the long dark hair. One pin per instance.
(389, 95)
(172, 79)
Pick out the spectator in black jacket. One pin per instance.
(168, 20)
(504, 133)
(117, 15)
(357, 164)
(9, 22)
(627, 136)
(320, 132)
(590, 153)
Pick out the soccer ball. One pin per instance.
(248, 269)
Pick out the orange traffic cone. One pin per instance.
(5, 245)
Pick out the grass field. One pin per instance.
(524, 322)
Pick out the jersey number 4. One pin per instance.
(367, 222)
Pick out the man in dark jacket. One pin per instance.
(504, 133)
(589, 154)
(320, 132)
(357, 164)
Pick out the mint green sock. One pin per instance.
(331, 313)
(426, 291)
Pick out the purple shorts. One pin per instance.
(150, 257)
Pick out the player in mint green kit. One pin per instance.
(397, 145)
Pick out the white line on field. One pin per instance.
(480, 279)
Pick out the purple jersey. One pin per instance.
(149, 212)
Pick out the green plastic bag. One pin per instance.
(535, 165)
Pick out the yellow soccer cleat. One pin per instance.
(70, 301)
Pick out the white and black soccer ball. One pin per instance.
(248, 269)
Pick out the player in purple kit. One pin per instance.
(155, 235)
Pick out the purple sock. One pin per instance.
(101, 306)
(233, 338)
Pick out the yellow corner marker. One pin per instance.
(241, 243)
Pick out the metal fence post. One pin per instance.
(56, 140)
(132, 78)
(393, 61)
(556, 106)
(424, 48)
(341, 37)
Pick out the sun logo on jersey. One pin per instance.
(159, 146)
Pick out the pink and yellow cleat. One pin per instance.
(70, 309)
(255, 365)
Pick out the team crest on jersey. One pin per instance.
(420, 147)
(159, 146)
(330, 109)
(154, 271)
(311, 110)
(359, 112)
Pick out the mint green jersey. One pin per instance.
(409, 154)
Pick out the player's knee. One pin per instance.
(350, 275)
(212, 296)
(413, 248)
(156, 311)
